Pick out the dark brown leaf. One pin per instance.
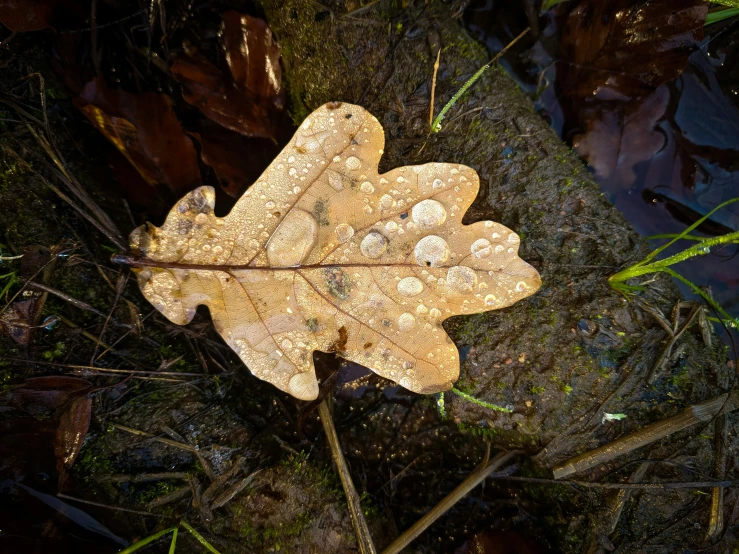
(236, 160)
(144, 128)
(621, 48)
(248, 100)
(47, 393)
(17, 320)
(21, 16)
(70, 434)
(24, 15)
(253, 58)
(620, 135)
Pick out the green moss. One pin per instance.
(54, 353)
(149, 492)
(323, 477)
(477, 431)
(682, 379)
(93, 460)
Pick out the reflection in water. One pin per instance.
(665, 156)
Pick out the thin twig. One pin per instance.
(120, 285)
(170, 442)
(109, 507)
(433, 88)
(108, 369)
(666, 486)
(76, 303)
(173, 496)
(142, 477)
(473, 479)
(716, 521)
(366, 546)
(705, 411)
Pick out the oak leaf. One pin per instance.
(323, 253)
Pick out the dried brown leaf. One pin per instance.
(323, 253)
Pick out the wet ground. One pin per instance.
(247, 465)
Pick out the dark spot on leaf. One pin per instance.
(320, 212)
(339, 345)
(348, 116)
(312, 324)
(367, 345)
(403, 215)
(338, 282)
(386, 322)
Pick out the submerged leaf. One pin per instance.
(83, 519)
(323, 253)
(17, 320)
(145, 129)
(620, 48)
(248, 100)
(46, 393)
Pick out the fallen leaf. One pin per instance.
(236, 160)
(145, 129)
(17, 320)
(70, 435)
(323, 253)
(83, 519)
(620, 48)
(621, 135)
(47, 393)
(21, 16)
(248, 100)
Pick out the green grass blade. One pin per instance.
(200, 538)
(729, 3)
(687, 231)
(436, 127)
(729, 321)
(674, 235)
(173, 545)
(700, 249)
(11, 281)
(147, 540)
(719, 15)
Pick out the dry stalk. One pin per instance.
(433, 89)
(473, 479)
(716, 521)
(697, 413)
(366, 546)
